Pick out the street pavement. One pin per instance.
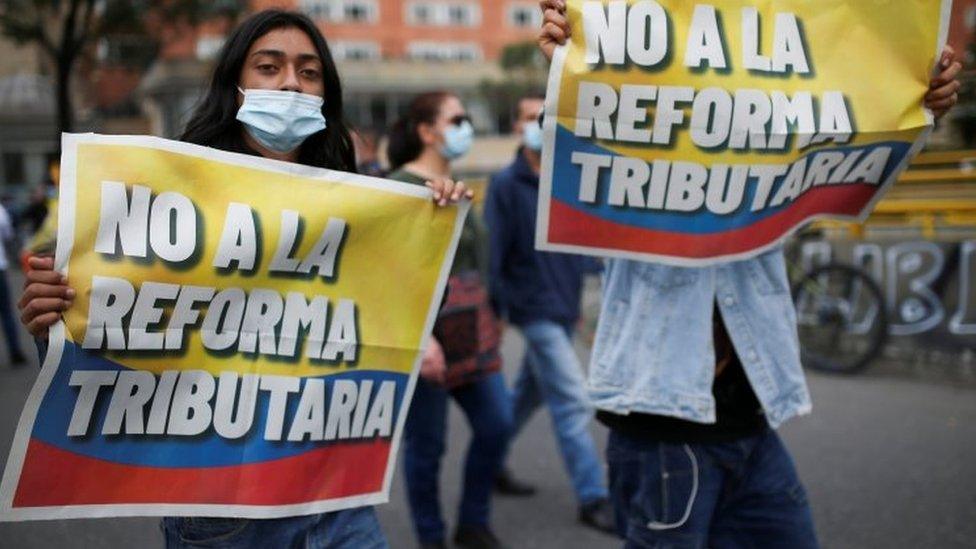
(887, 462)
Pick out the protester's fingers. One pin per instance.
(460, 190)
(437, 186)
(558, 19)
(443, 189)
(942, 93)
(41, 262)
(43, 305)
(554, 33)
(559, 5)
(44, 277)
(38, 326)
(942, 106)
(948, 56)
(38, 290)
(947, 76)
(447, 192)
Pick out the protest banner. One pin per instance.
(245, 338)
(696, 132)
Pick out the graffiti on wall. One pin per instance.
(929, 287)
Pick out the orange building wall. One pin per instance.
(393, 34)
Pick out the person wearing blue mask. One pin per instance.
(539, 292)
(275, 93)
(462, 361)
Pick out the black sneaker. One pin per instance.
(476, 537)
(598, 515)
(508, 485)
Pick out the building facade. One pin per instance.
(387, 52)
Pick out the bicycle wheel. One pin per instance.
(841, 318)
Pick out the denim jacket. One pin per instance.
(654, 354)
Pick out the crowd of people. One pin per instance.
(692, 368)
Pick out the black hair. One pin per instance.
(404, 143)
(214, 123)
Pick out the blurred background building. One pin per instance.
(148, 78)
(143, 69)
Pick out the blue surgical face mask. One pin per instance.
(532, 136)
(457, 140)
(280, 120)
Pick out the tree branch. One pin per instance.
(67, 51)
(25, 23)
(86, 24)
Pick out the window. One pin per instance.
(444, 51)
(356, 51)
(357, 12)
(125, 50)
(317, 9)
(422, 14)
(460, 15)
(524, 16)
(341, 11)
(444, 14)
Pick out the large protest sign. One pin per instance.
(244, 340)
(696, 132)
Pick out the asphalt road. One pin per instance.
(887, 462)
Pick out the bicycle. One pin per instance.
(841, 315)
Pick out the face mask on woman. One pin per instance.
(532, 136)
(457, 140)
(280, 120)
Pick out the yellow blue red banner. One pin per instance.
(245, 340)
(697, 132)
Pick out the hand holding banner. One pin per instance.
(694, 133)
(245, 340)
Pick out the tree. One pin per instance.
(63, 29)
(525, 73)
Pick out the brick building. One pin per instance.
(387, 51)
(425, 30)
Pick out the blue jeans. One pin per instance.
(720, 495)
(486, 405)
(551, 373)
(350, 529)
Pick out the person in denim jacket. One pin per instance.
(692, 370)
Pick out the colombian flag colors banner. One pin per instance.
(244, 340)
(696, 132)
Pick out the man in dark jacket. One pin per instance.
(540, 293)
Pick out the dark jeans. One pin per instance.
(350, 529)
(720, 495)
(486, 404)
(7, 320)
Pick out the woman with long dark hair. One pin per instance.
(462, 360)
(275, 93)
